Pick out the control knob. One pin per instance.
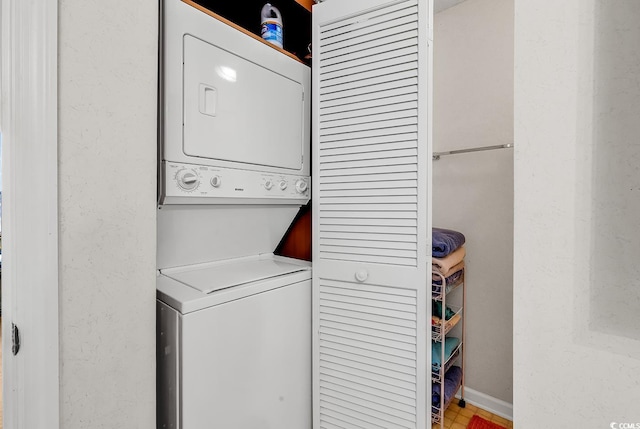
(301, 186)
(188, 180)
(282, 185)
(268, 184)
(216, 181)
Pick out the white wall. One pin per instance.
(577, 183)
(107, 173)
(473, 192)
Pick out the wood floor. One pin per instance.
(458, 418)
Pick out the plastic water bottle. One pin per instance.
(271, 28)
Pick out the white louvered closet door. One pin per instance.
(371, 213)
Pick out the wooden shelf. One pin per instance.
(245, 17)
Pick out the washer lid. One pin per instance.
(209, 278)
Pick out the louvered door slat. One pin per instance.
(383, 84)
(330, 422)
(382, 241)
(381, 76)
(374, 399)
(395, 359)
(339, 228)
(360, 20)
(401, 106)
(334, 83)
(369, 419)
(335, 195)
(361, 50)
(336, 342)
(372, 99)
(361, 400)
(406, 138)
(382, 236)
(406, 185)
(396, 26)
(350, 66)
(362, 155)
(369, 120)
(370, 216)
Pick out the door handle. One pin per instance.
(362, 275)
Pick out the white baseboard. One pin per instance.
(489, 403)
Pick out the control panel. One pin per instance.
(195, 184)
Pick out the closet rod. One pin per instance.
(437, 155)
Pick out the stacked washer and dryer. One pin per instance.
(234, 321)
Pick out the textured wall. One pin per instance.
(473, 192)
(577, 104)
(107, 171)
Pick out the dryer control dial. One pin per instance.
(188, 180)
(301, 186)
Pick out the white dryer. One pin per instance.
(234, 321)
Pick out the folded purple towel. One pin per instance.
(452, 380)
(445, 241)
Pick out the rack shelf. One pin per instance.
(439, 332)
(443, 327)
(437, 376)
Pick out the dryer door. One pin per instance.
(239, 111)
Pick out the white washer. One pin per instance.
(234, 350)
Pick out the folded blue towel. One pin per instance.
(445, 241)
(450, 344)
(452, 380)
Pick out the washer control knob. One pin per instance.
(216, 181)
(283, 185)
(301, 186)
(188, 180)
(268, 184)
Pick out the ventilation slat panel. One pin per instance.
(329, 188)
(329, 31)
(371, 335)
(383, 84)
(403, 88)
(395, 359)
(343, 110)
(391, 237)
(331, 341)
(394, 67)
(350, 66)
(363, 37)
(370, 119)
(407, 139)
(346, 396)
(330, 119)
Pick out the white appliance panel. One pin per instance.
(246, 364)
(239, 111)
(222, 275)
(192, 184)
(195, 234)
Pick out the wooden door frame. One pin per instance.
(28, 121)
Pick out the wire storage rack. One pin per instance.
(448, 338)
